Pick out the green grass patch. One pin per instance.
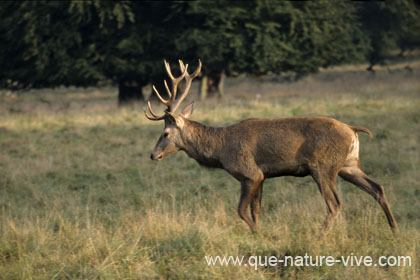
(80, 198)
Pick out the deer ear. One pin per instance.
(188, 110)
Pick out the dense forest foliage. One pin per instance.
(83, 43)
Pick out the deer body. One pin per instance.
(256, 149)
(277, 147)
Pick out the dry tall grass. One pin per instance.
(80, 199)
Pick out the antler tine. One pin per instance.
(168, 69)
(167, 88)
(165, 102)
(154, 117)
(188, 80)
(176, 81)
(182, 66)
(197, 71)
(151, 111)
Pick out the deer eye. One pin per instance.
(165, 134)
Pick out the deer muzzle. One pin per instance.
(156, 156)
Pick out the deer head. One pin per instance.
(171, 139)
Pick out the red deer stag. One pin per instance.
(256, 149)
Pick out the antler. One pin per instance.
(172, 95)
(188, 81)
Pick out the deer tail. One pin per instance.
(362, 129)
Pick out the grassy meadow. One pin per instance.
(80, 198)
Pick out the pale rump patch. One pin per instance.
(353, 155)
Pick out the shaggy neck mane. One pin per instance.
(203, 143)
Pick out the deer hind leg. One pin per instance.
(326, 185)
(248, 191)
(357, 177)
(256, 205)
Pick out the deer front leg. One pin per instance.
(248, 191)
(256, 205)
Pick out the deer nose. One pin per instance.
(154, 156)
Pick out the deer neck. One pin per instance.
(203, 143)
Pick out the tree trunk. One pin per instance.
(203, 87)
(129, 92)
(212, 84)
(370, 68)
(221, 85)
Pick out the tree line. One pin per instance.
(83, 43)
